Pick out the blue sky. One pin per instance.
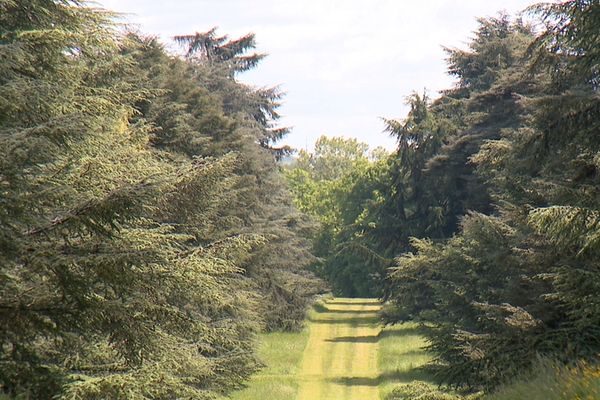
(343, 64)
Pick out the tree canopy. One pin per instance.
(518, 278)
(148, 232)
(140, 207)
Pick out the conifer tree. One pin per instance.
(213, 115)
(113, 284)
(520, 283)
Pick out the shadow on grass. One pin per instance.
(405, 331)
(349, 311)
(415, 374)
(322, 308)
(368, 339)
(354, 321)
(355, 339)
(355, 381)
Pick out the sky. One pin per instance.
(343, 64)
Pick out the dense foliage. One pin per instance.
(147, 235)
(140, 210)
(520, 279)
(334, 185)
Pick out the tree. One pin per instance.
(130, 239)
(224, 117)
(208, 48)
(521, 282)
(334, 185)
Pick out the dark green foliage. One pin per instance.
(522, 281)
(419, 390)
(208, 48)
(432, 182)
(263, 207)
(569, 43)
(137, 232)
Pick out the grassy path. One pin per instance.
(340, 359)
(342, 354)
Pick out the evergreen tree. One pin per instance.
(123, 275)
(219, 116)
(520, 283)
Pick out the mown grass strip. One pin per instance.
(281, 352)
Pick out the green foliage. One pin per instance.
(140, 211)
(553, 381)
(473, 289)
(208, 113)
(281, 353)
(335, 185)
(491, 51)
(209, 48)
(424, 391)
(401, 356)
(569, 42)
(522, 280)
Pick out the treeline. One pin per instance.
(491, 203)
(146, 235)
(334, 184)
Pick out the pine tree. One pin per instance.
(217, 116)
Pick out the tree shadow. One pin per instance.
(411, 331)
(407, 376)
(355, 381)
(354, 303)
(355, 339)
(354, 321)
(415, 374)
(322, 308)
(350, 311)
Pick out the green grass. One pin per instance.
(401, 357)
(282, 354)
(554, 382)
(401, 353)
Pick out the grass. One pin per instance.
(340, 360)
(282, 354)
(356, 357)
(342, 363)
(400, 356)
(554, 382)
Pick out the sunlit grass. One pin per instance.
(282, 354)
(401, 353)
(553, 382)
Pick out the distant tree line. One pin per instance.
(146, 235)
